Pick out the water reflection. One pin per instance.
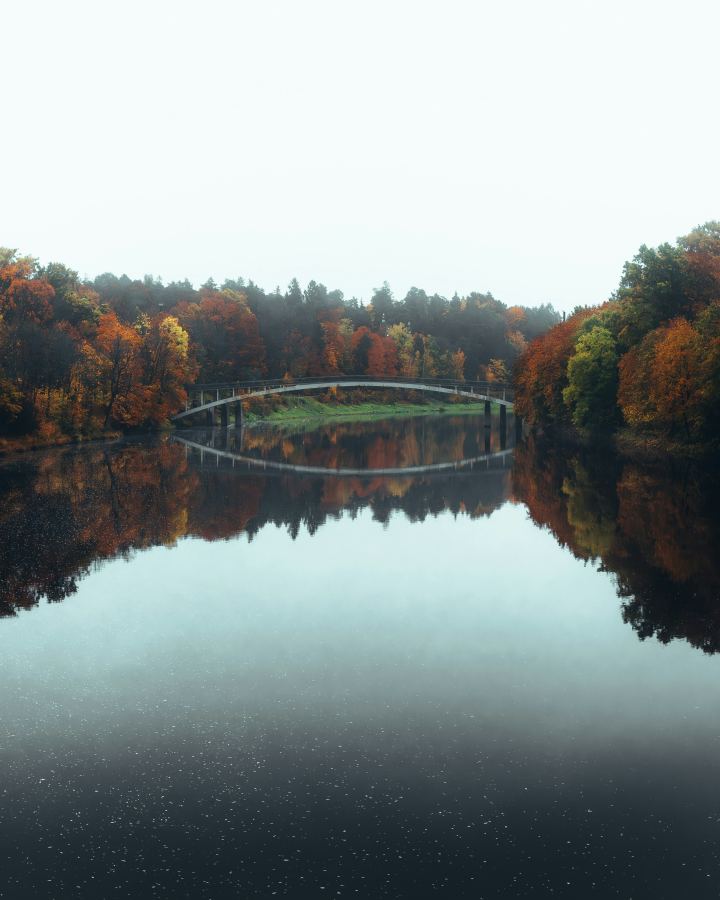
(655, 526)
(65, 510)
(418, 446)
(449, 705)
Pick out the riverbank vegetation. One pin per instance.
(79, 358)
(646, 364)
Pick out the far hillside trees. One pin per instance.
(79, 357)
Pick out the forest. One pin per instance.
(80, 358)
(646, 363)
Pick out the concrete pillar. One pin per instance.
(503, 427)
(224, 415)
(238, 415)
(488, 413)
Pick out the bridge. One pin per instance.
(218, 399)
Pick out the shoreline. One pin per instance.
(632, 445)
(302, 410)
(10, 447)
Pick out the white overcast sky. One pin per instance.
(525, 148)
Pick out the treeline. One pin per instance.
(78, 357)
(71, 365)
(649, 358)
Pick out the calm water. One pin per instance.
(263, 674)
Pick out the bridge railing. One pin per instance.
(488, 388)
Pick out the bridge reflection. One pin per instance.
(215, 445)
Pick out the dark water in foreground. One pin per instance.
(257, 682)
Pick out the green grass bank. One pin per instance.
(311, 408)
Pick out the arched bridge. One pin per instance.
(209, 398)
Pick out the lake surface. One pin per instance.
(233, 667)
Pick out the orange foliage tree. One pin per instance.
(661, 380)
(225, 336)
(541, 373)
(120, 370)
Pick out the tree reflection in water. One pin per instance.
(65, 510)
(655, 527)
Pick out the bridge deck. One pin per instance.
(239, 391)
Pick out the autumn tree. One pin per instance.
(457, 365)
(382, 356)
(225, 335)
(167, 368)
(122, 393)
(496, 370)
(592, 375)
(402, 337)
(540, 374)
(670, 397)
(334, 347)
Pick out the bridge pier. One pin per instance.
(209, 418)
(224, 415)
(503, 427)
(238, 415)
